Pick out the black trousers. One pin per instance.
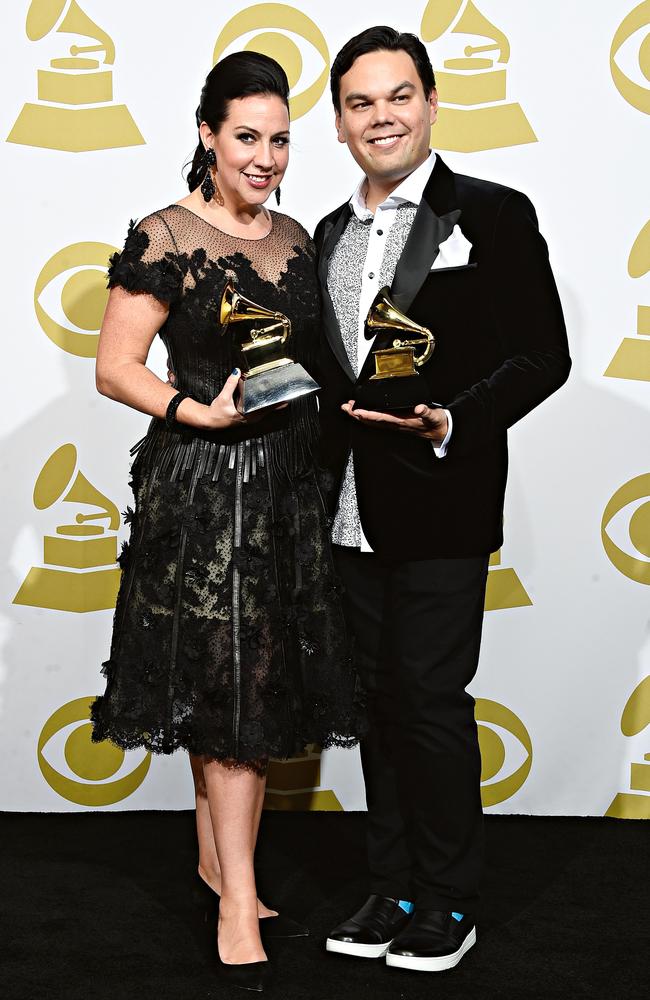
(417, 630)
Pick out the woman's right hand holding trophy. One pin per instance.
(222, 411)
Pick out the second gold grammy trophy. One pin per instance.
(268, 376)
(396, 383)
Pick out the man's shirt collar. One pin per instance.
(410, 190)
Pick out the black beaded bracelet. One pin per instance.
(172, 406)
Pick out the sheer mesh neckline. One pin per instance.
(244, 239)
(170, 252)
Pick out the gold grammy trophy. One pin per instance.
(473, 114)
(396, 384)
(268, 377)
(72, 579)
(74, 112)
(632, 359)
(635, 804)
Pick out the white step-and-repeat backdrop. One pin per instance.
(549, 96)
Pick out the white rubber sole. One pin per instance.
(358, 950)
(433, 964)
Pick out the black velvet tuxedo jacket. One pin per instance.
(501, 348)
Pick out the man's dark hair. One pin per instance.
(375, 40)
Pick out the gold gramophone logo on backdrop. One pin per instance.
(506, 746)
(269, 27)
(90, 765)
(80, 571)
(83, 296)
(635, 495)
(637, 22)
(632, 359)
(294, 784)
(474, 113)
(635, 804)
(504, 588)
(75, 110)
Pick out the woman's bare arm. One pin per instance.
(131, 322)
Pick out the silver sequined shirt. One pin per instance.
(344, 282)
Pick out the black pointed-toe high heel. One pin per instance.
(270, 927)
(281, 927)
(253, 976)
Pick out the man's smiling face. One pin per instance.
(385, 115)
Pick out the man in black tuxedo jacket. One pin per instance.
(417, 499)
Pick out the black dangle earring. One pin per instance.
(277, 194)
(207, 185)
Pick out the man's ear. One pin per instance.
(433, 105)
(340, 131)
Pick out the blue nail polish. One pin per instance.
(457, 916)
(235, 371)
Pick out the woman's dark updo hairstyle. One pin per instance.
(238, 75)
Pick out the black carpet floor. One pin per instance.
(102, 906)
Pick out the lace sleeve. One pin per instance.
(149, 261)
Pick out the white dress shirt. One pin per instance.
(408, 192)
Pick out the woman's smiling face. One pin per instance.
(252, 148)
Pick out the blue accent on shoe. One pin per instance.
(458, 916)
(405, 905)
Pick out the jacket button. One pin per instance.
(371, 275)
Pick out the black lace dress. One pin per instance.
(228, 636)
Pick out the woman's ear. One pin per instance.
(206, 134)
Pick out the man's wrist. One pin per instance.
(440, 447)
(442, 431)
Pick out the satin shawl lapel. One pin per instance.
(331, 237)
(434, 221)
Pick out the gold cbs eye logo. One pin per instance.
(82, 297)
(269, 27)
(501, 735)
(91, 765)
(635, 92)
(636, 495)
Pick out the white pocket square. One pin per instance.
(454, 252)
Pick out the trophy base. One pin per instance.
(391, 394)
(279, 385)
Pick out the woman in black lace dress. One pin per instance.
(228, 638)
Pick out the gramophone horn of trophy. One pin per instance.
(268, 376)
(60, 122)
(396, 383)
(72, 579)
